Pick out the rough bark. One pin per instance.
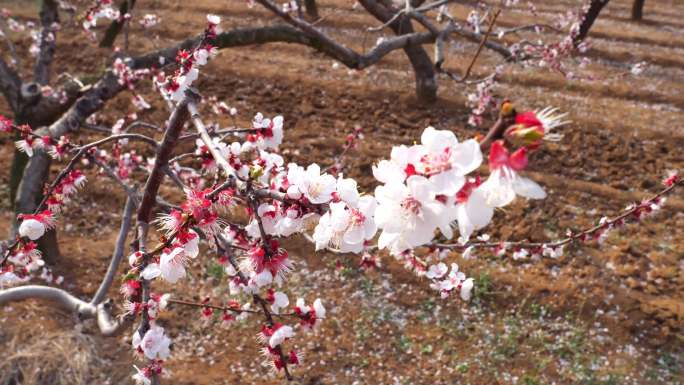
(10, 85)
(116, 26)
(592, 14)
(638, 9)
(311, 9)
(164, 151)
(426, 83)
(48, 17)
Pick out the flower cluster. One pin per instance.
(100, 9)
(23, 253)
(128, 77)
(174, 87)
(220, 108)
(454, 281)
(13, 24)
(481, 101)
(33, 226)
(268, 133)
(150, 20)
(29, 28)
(30, 141)
(6, 125)
(349, 223)
(421, 183)
(426, 191)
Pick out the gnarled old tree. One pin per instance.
(595, 8)
(638, 9)
(594, 11)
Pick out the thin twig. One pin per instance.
(579, 236)
(484, 41)
(10, 45)
(204, 135)
(227, 308)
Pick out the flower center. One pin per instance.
(437, 163)
(411, 206)
(357, 218)
(315, 189)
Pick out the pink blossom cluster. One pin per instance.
(128, 77)
(24, 256)
(100, 9)
(481, 101)
(149, 20)
(173, 87)
(30, 141)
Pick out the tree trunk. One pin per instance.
(423, 68)
(19, 162)
(589, 19)
(115, 27)
(426, 84)
(311, 9)
(638, 9)
(29, 195)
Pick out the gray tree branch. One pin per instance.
(102, 312)
(119, 249)
(48, 17)
(10, 85)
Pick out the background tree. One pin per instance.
(638, 9)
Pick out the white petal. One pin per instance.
(347, 190)
(467, 156)
(280, 299)
(152, 271)
(355, 235)
(420, 188)
(387, 172)
(437, 140)
(466, 289)
(319, 308)
(528, 188)
(31, 228)
(498, 190)
(192, 246)
(447, 183)
(264, 278)
(477, 209)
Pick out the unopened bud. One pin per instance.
(524, 136)
(507, 109)
(256, 172)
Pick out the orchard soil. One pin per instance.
(598, 315)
